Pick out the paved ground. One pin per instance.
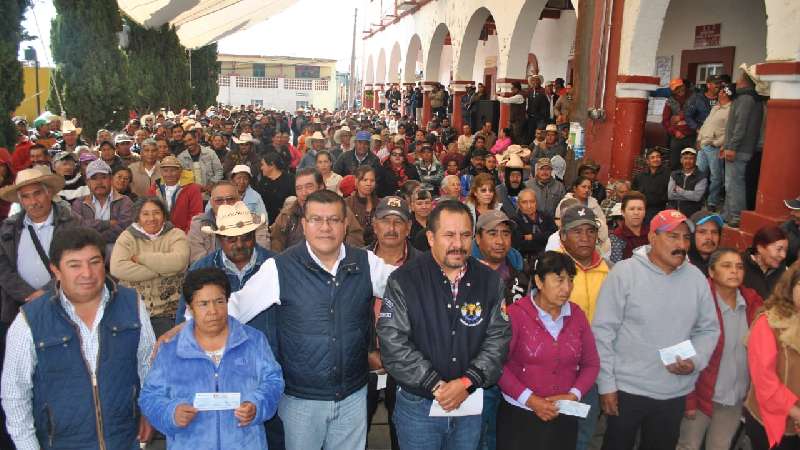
(378, 438)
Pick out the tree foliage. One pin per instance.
(11, 93)
(91, 69)
(205, 72)
(159, 69)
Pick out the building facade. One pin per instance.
(634, 47)
(278, 82)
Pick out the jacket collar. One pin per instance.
(346, 261)
(188, 348)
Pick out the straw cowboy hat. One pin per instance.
(245, 138)
(762, 87)
(317, 136)
(235, 220)
(34, 175)
(69, 127)
(514, 149)
(510, 161)
(337, 136)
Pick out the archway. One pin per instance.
(413, 57)
(393, 75)
(434, 70)
(380, 69)
(369, 74)
(515, 62)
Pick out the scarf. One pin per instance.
(787, 328)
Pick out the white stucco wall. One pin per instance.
(551, 44)
(743, 22)
(485, 49)
(281, 98)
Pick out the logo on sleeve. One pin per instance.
(471, 314)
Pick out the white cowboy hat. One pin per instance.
(762, 87)
(69, 127)
(235, 220)
(317, 136)
(337, 136)
(510, 161)
(34, 175)
(245, 138)
(515, 149)
(241, 168)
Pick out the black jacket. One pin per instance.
(654, 188)
(426, 336)
(755, 278)
(541, 229)
(538, 105)
(347, 163)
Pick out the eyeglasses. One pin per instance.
(224, 200)
(397, 154)
(317, 221)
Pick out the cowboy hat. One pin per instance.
(69, 127)
(589, 164)
(515, 149)
(34, 175)
(337, 136)
(510, 161)
(235, 220)
(762, 87)
(317, 136)
(245, 138)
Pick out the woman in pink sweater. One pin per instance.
(552, 357)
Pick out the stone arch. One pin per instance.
(469, 44)
(369, 75)
(641, 30)
(515, 62)
(393, 75)
(380, 68)
(413, 54)
(432, 65)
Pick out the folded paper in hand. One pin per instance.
(684, 349)
(471, 406)
(573, 408)
(216, 401)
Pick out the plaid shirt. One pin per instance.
(454, 285)
(607, 205)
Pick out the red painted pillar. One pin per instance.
(630, 114)
(779, 162)
(366, 96)
(459, 90)
(427, 113)
(376, 97)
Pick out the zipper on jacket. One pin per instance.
(216, 389)
(98, 416)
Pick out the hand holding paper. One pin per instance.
(573, 408)
(471, 406)
(684, 350)
(216, 401)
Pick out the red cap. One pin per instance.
(347, 185)
(668, 220)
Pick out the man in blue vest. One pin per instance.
(76, 356)
(325, 289)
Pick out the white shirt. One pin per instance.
(29, 265)
(263, 289)
(169, 191)
(20, 365)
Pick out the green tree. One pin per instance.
(205, 72)
(11, 93)
(158, 69)
(91, 69)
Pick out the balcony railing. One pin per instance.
(293, 84)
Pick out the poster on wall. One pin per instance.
(664, 69)
(707, 35)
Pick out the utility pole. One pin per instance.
(351, 82)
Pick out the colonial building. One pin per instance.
(634, 47)
(278, 82)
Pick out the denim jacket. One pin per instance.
(182, 369)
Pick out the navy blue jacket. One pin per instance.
(323, 324)
(264, 322)
(70, 408)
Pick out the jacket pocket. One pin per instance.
(51, 426)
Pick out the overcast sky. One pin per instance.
(310, 28)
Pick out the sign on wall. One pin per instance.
(664, 69)
(707, 35)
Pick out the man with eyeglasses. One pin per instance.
(235, 232)
(324, 288)
(287, 230)
(202, 244)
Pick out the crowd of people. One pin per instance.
(241, 277)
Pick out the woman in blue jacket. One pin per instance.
(213, 353)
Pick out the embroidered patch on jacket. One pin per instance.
(471, 314)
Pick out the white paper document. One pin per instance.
(382, 377)
(684, 349)
(216, 401)
(573, 408)
(471, 406)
